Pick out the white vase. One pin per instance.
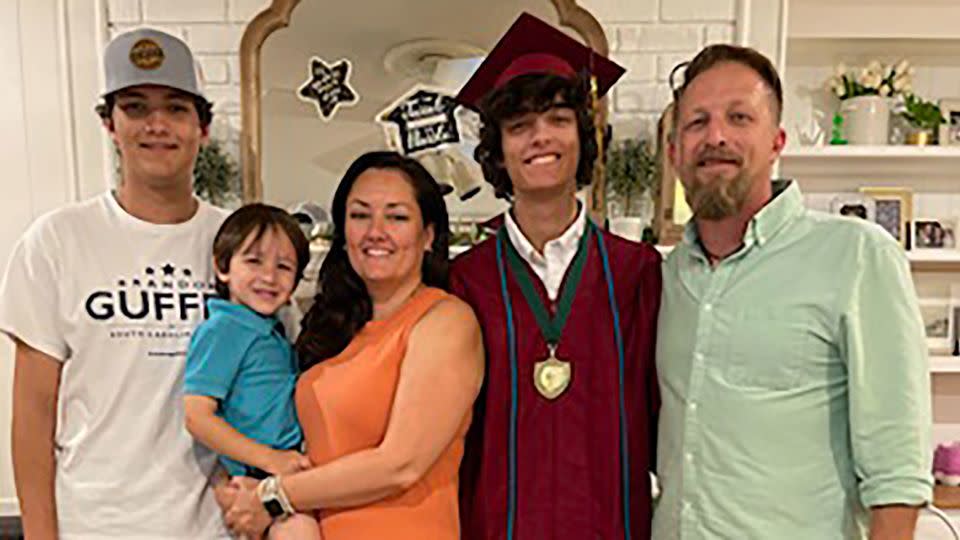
(866, 119)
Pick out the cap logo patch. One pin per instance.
(146, 54)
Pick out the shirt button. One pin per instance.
(693, 406)
(686, 506)
(689, 456)
(708, 307)
(698, 357)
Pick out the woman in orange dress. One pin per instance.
(392, 365)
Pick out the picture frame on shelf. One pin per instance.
(894, 210)
(939, 323)
(854, 205)
(955, 321)
(949, 134)
(934, 234)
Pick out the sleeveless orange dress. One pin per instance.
(344, 406)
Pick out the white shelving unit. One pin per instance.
(944, 364)
(916, 154)
(819, 34)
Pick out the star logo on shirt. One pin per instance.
(327, 87)
(167, 269)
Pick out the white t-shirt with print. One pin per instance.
(116, 300)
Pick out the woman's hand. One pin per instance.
(246, 515)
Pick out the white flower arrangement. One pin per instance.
(875, 79)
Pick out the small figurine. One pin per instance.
(837, 132)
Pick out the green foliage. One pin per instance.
(631, 169)
(921, 114)
(216, 177)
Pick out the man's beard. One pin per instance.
(716, 198)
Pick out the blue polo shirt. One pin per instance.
(244, 361)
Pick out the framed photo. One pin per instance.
(929, 233)
(854, 205)
(939, 323)
(672, 211)
(894, 210)
(949, 133)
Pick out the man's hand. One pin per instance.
(246, 515)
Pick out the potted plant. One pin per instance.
(631, 180)
(924, 118)
(865, 98)
(216, 177)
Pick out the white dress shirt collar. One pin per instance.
(551, 265)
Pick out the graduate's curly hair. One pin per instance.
(533, 93)
(342, 304)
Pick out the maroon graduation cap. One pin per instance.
(534, 46)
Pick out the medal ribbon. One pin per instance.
(550, 327)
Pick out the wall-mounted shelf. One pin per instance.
(939, 260)
(854, 151)
(944, 364)
(866, 164)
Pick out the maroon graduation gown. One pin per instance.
(569, 484)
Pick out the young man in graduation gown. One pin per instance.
(563, 435)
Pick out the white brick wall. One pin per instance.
(648, 37)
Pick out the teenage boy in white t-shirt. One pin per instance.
(100, 298)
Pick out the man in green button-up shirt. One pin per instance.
(791, 352)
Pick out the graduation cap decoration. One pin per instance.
(427, 124)
(423, 119)
(327, 87)
(530, 46)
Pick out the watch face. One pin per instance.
(273, 508)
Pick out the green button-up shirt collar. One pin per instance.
(786, 205)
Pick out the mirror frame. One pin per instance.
(668, 231)
(278, 16)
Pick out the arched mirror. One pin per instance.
(292, 151)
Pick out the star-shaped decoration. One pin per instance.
(167, 269)
(327, 87)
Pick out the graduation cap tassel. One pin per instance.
(599, 169)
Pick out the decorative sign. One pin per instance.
(327, 87)
(423, 119)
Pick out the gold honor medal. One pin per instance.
(146, 54)
(552, 376)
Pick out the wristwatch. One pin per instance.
(272, 497)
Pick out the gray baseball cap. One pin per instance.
(148, 56)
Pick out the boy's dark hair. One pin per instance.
(533, 93)
(204, 108)
(720, 53)
(256, 218)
